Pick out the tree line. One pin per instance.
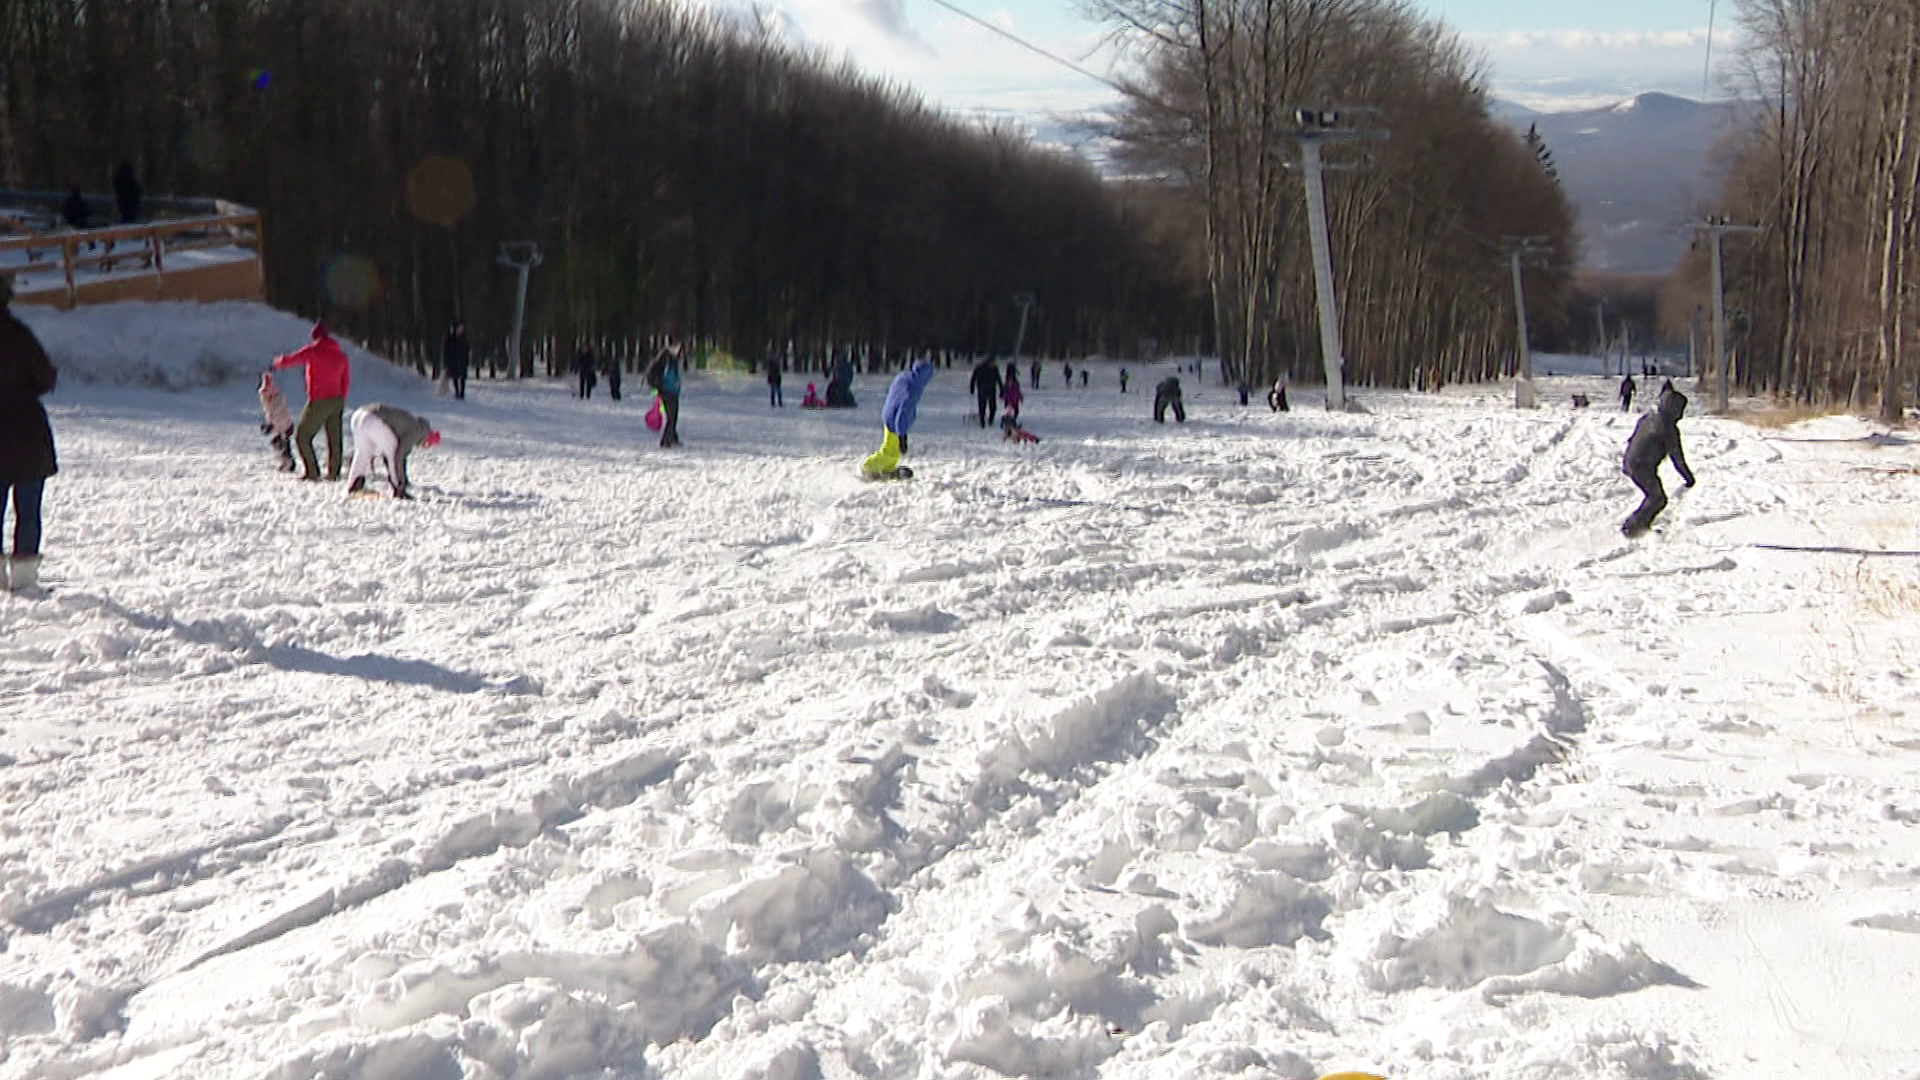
(679, 173)
(1823, 298)
(1419, 224)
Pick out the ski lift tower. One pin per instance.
(523, 256)
(1024, 301)
(1318, 126)
(1716, 228)
(1522, 250)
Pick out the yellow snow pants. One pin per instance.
(885, 459)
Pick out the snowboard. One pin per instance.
(900, 472)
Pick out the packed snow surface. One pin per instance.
(1262, 746)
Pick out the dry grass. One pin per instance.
(1889, 593)
(1780, 414)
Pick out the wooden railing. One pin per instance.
(130, 262)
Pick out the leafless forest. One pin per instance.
(1421, 220)
(1824, 296)
(684, 174)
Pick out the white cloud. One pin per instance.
(1585, 40)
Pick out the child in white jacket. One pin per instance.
(278, 423)
(390, 433)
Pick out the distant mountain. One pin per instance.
(1637, 172)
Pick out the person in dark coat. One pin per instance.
(986, 390)
(1656, 436)
(1123, 380)
(456, 353)
(1033, 374)
(126, 193)
(586, 371)
(775, 399)
(1277, 397)
(614, 376)
(840, 385)
(27, 457)
(1067, 370)
(1627, 388)
(74, 211)
(1167, 396)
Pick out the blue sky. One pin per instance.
(1549, 54)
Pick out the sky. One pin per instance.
(1544, 55)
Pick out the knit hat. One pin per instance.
(432, 439)
(320, 329)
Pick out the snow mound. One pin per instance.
(186, 345)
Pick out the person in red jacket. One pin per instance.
(328, 374)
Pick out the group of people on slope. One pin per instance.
(382, 434)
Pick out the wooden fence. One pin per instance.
(148, 261)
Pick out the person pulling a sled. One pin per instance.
(663, 378)
(1656, 436)
(389, 432)
(897, 415)
(329, 374)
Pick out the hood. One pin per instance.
(921, 374)
(320, 331)
(1673, 405)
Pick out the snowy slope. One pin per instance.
(1259, 746)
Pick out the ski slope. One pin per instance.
(1262, 746)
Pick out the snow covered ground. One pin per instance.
(1256, 747)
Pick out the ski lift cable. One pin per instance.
(1031, 47)
(1706, 75)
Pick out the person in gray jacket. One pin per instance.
(1655, 437)
(389, 432)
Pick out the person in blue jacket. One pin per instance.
(898, 414)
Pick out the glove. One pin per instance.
(1689, 481)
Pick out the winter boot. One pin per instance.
(23, 573)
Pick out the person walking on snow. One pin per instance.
(1010, 394)
(1656, 436)
(1033, 374)
(586, 371)
(455, 355)
(775, 399)
(1627, 388)
(663, 378)
(27, 457)
(897, 416)
(1277, 397)
(329, 374)
(986, 390)
(1123, 380)
(389, 433)
(1167, 396)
